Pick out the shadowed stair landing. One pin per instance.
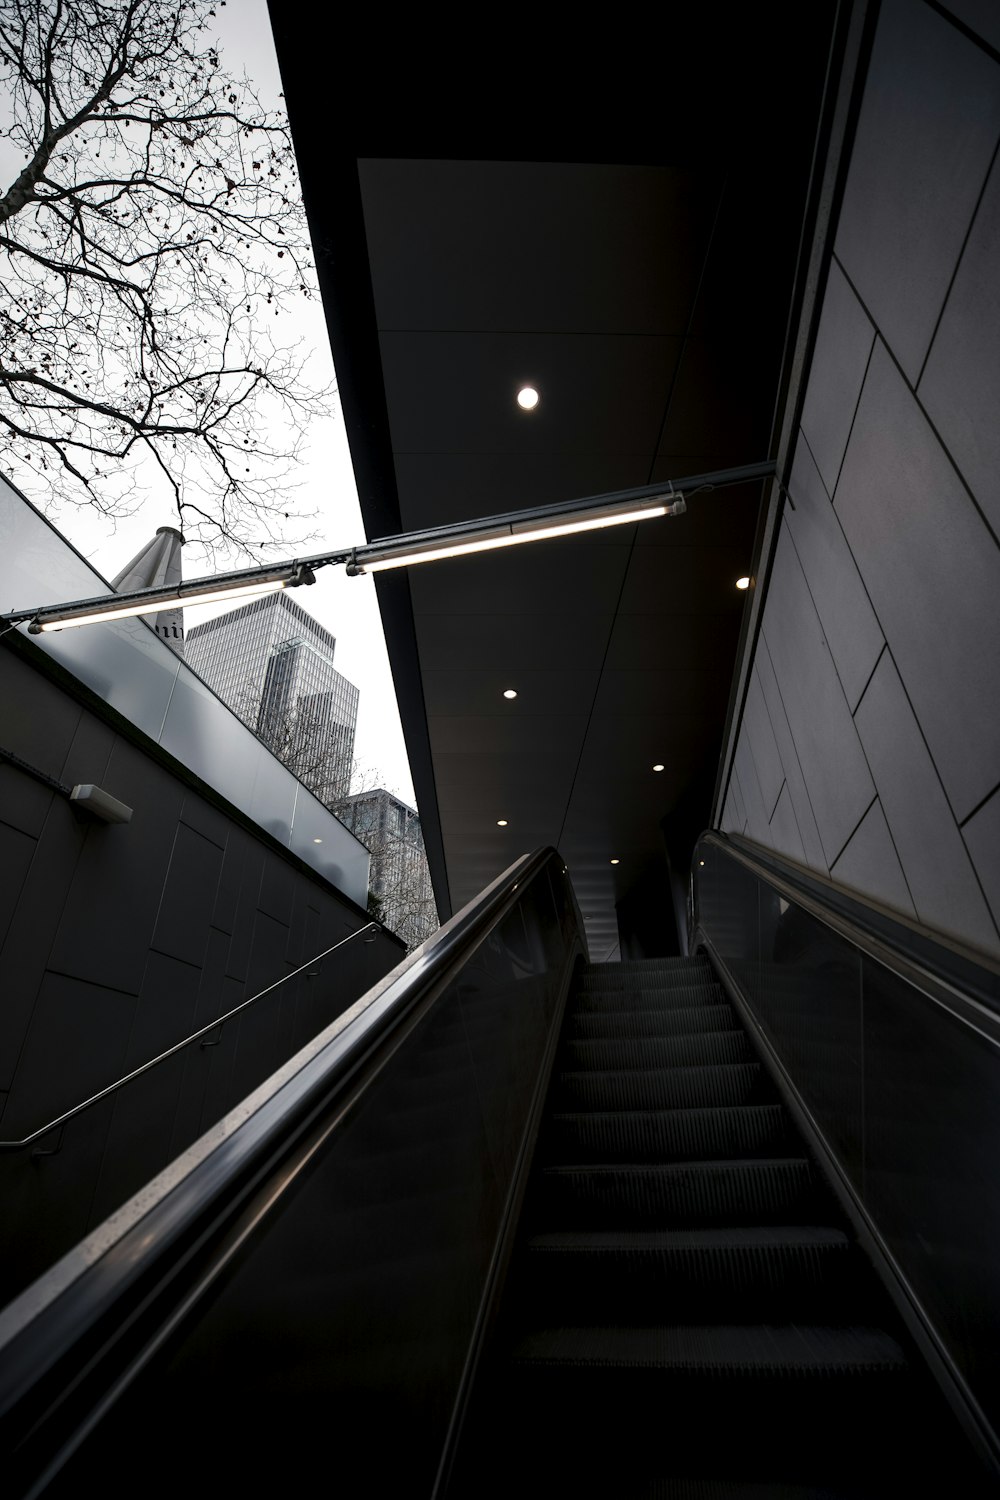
(687, 1315)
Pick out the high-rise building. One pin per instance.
(399, 878)
(272, 664)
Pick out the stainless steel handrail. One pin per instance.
(28, 1140)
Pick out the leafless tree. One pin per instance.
(148, 243)
(400, 892)
(301, 735)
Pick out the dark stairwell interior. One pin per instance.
(688, 1313)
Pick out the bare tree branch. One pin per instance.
(150, 241)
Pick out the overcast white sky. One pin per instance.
(346, 606)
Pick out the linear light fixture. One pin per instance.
(541, 523)
(250, 585)
(511, 534)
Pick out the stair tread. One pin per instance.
(737, 1165)
(742, 1348)
(596, 1241)
(736, 1110)
(729, 1069)
(666, 1013)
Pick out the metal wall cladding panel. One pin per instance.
(932, 1121)
(785, 836)
(936, 863)
(829, 752)
(960, 386)
(843, 344)
(113, 900)
(982, 839)
(763, 746)
(17, 850)
(144, 1115)
(188, 896)
(794, 780)
(758, 815)
(981, 15)
(808, 996)
(849, 625)
(349, 1324)
(75, 1044)
(43, 741)
(932, 570)
(870, 864)
(167, 1007)
(927, 133)
(50, 1188)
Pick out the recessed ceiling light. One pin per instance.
(317, 841)
(658, 767)
(616, 861)
(742, 583)
(527, 398)
(510, 692)
(501, 822)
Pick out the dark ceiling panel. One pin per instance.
(696, 641)
(645, 230)
(556, 576)
(473, 691)
(507, 643)
(681, 579)
(455, 392)
(454, 486)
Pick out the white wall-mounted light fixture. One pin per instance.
(538, 524)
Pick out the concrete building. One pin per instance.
(272, 663)
(400, 879)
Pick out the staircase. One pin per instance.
(687, 1314)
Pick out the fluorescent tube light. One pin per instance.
(200, 591)
(511, 535)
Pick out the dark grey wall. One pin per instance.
(870, 742)
(118, 941)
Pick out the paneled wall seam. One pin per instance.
(858, 824)
(769, 811)
(932, 428)
(920, 730)
(871, 674)
(957, 266)
(980, 805)
(791, 737)
(857, 403)
(819, 617)
(888, 823)
(967, 31)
